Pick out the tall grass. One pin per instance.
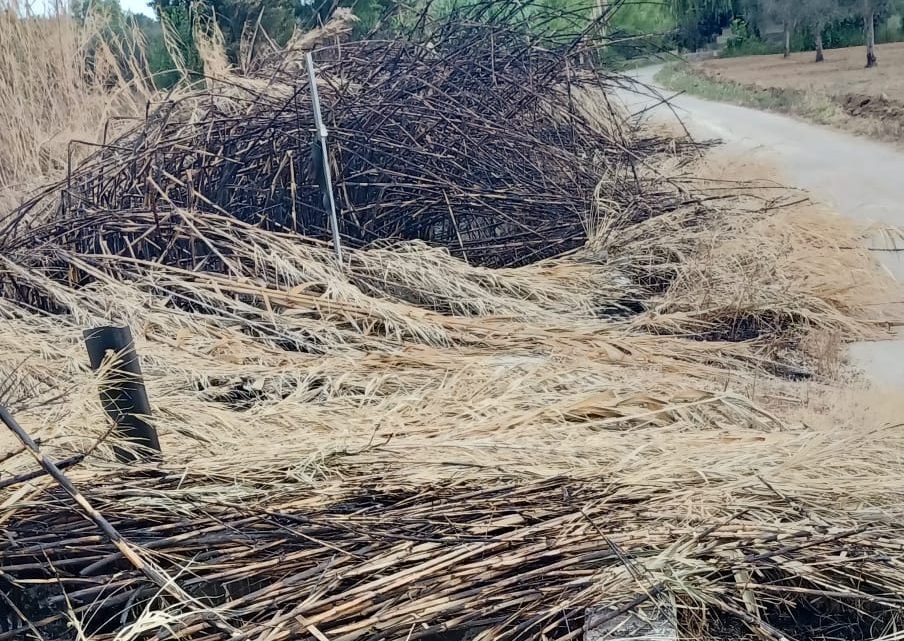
(59, 81)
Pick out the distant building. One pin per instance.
(771, 31)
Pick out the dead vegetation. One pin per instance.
(59, 82)
(408, 445)
(415, 138)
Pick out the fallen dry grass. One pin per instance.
(518, 407)
(402, 333)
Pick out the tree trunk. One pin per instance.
(787, 40)
(818, 33)
(869, 16)
(601, 7)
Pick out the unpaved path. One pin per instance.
(858, 178)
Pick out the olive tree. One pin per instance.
(870, 10)
(788, 13)
(817, 14)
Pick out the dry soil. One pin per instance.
(841, 73)
(862, 94)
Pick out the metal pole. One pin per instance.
(124, 397)
(327, 187)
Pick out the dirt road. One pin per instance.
(858, 178)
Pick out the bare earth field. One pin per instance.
(868, 101)
(841, 73)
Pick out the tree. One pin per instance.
(699, 20)
(817, 14)
(788, 13)
(870, 10)
(368, 12)
(276, 18)
(177, 18)
(109, 9)
(869, 24)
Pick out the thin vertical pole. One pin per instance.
(124, 397)
(329, 199)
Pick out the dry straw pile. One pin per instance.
(410, 445)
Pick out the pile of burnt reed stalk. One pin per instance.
(486, 133)
(364, 559)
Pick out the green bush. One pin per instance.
(744, 41)
(752, 47)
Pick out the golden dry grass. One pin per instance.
(59, 82)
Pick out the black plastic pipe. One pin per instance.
(123, 395)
